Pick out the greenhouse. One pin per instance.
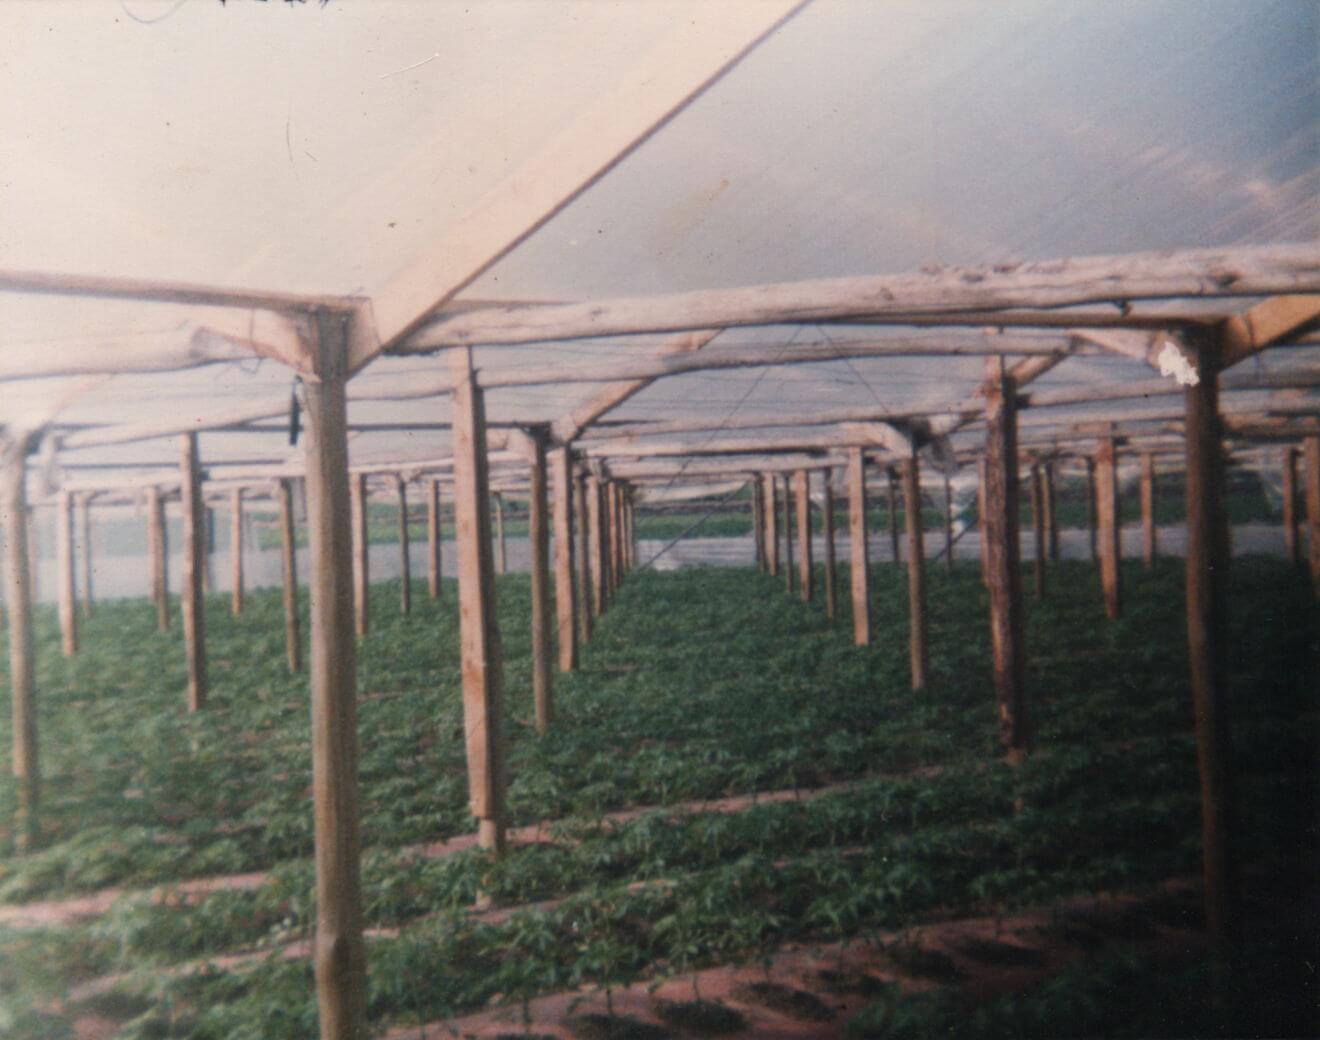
(780, 518)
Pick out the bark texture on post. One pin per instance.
(1311, 465)
(23, 760)
(770, 506)
(482, 657)
(501, 547)
(1207, 631)
(405, 559)
(1038, 529)
(236, 551)
(66, 575)
(790, 575)
(585, 588)
(806, 578)
(1003, 565)
(85, 540)
(194, 566)
(1106, 487)
(561, 469)
(289, 575)
(434, 560)
(538, 537)
(827, 522)
(858, 555)
(916, 574)
(159, 562)
(1148, 546)
(361, 557)
(339, 955)
(1051, 513)
(1291, 543)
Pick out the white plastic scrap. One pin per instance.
(1174, 363)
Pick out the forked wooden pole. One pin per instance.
(538, 538)
(1207, 632)
(289, 574)
(1038, 529)
(1148, 545)
(65, 568)
(85, 541)
(916, 574)
(769, 502)
(790, 575)
(827, 523)
(159, 557)
(858, 556)
(339, 955)
(1003, 567)
(896, 553)
(194, 566)
(434, 560)
(948, 525)
(482, 657)
(595, 550)
(1311, 470)
(1051, 513)
(1106, 487)
(23, 760)
(561, 476)
(236, 551)
(585, 586)
(806, 579)
(405, 557)
(361, 554)
(501, 546)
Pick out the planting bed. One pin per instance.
(913, 897)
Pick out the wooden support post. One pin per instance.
(1110, 527)
(790, 575)
(894, 550)
(858, 556)
(806, 579)
(827, 522)
(1090, 508)
(23, 760)
(236, 551)
(434, 559)
(948, 525)
(981, 507)
(208, 544)
(1207, 633)
(1148, 546)
(561, 469)
(361, 554)
(1003, 571)
(85, 540)
(67, 591)
(289, 572)
(1051, 513)
(916, 573)
(405, 559)
(612, 531)
(632, 527)
(501, 546)
(1038, 528)
(194, 566)
(758, 526)
(769, 501)
(1291, 543)
(596, 548)
(538, 541)
(339, 955)
(159, 557)
(1311, 470)
(482, 657)
(586, 596)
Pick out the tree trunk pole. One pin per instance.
(858, 556)
(758, 526)
(1051, 513)
(85, 537)
(916, 573)
(1111, 579)
(596, 551)
(434, 560)
(405, 560)
(65, 566)
(236, 551)
(827, 522)
(1207, 630)
(806, 577)
(585, 588)
(501, 546)
(1090, 508)
(361, 554)
(896, 553)
(1038, 529)
(561, 472)
(615, 535)
(339, 955)
(1311, 468)
(1148, 545)
(24, 763)
(538, 539)
(948, 525)
(482, 657)
(981, 531)
(208, 544)
(194, 566)
(770, 507)
(1291, 543)
(790, 575)
(160, 586)
(1004, 571)
(289, 572)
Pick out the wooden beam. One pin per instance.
(158, 558)
(858, 562)
(771, 504)
(289, 575)
(405, 560)
(1038, 529)
(981, 507)
(596, 546)
(1207, 639)
(1047, 284)
(790, 576)
(1004, 572)
(1311, 476)
(806, 578)
(435, 558)
(561, 475)
(482, 657)
(827, 524)
(65, 567)
(501, 547)
(236, 551)
(361, 535)
(1110, 527)
(24, 763)
(1148, 536)
(875, 435)
(916, 574)
(538, 538)
(339, 956)
(1266, 323)
(85, 540)
(586, 586)
(194, 565)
